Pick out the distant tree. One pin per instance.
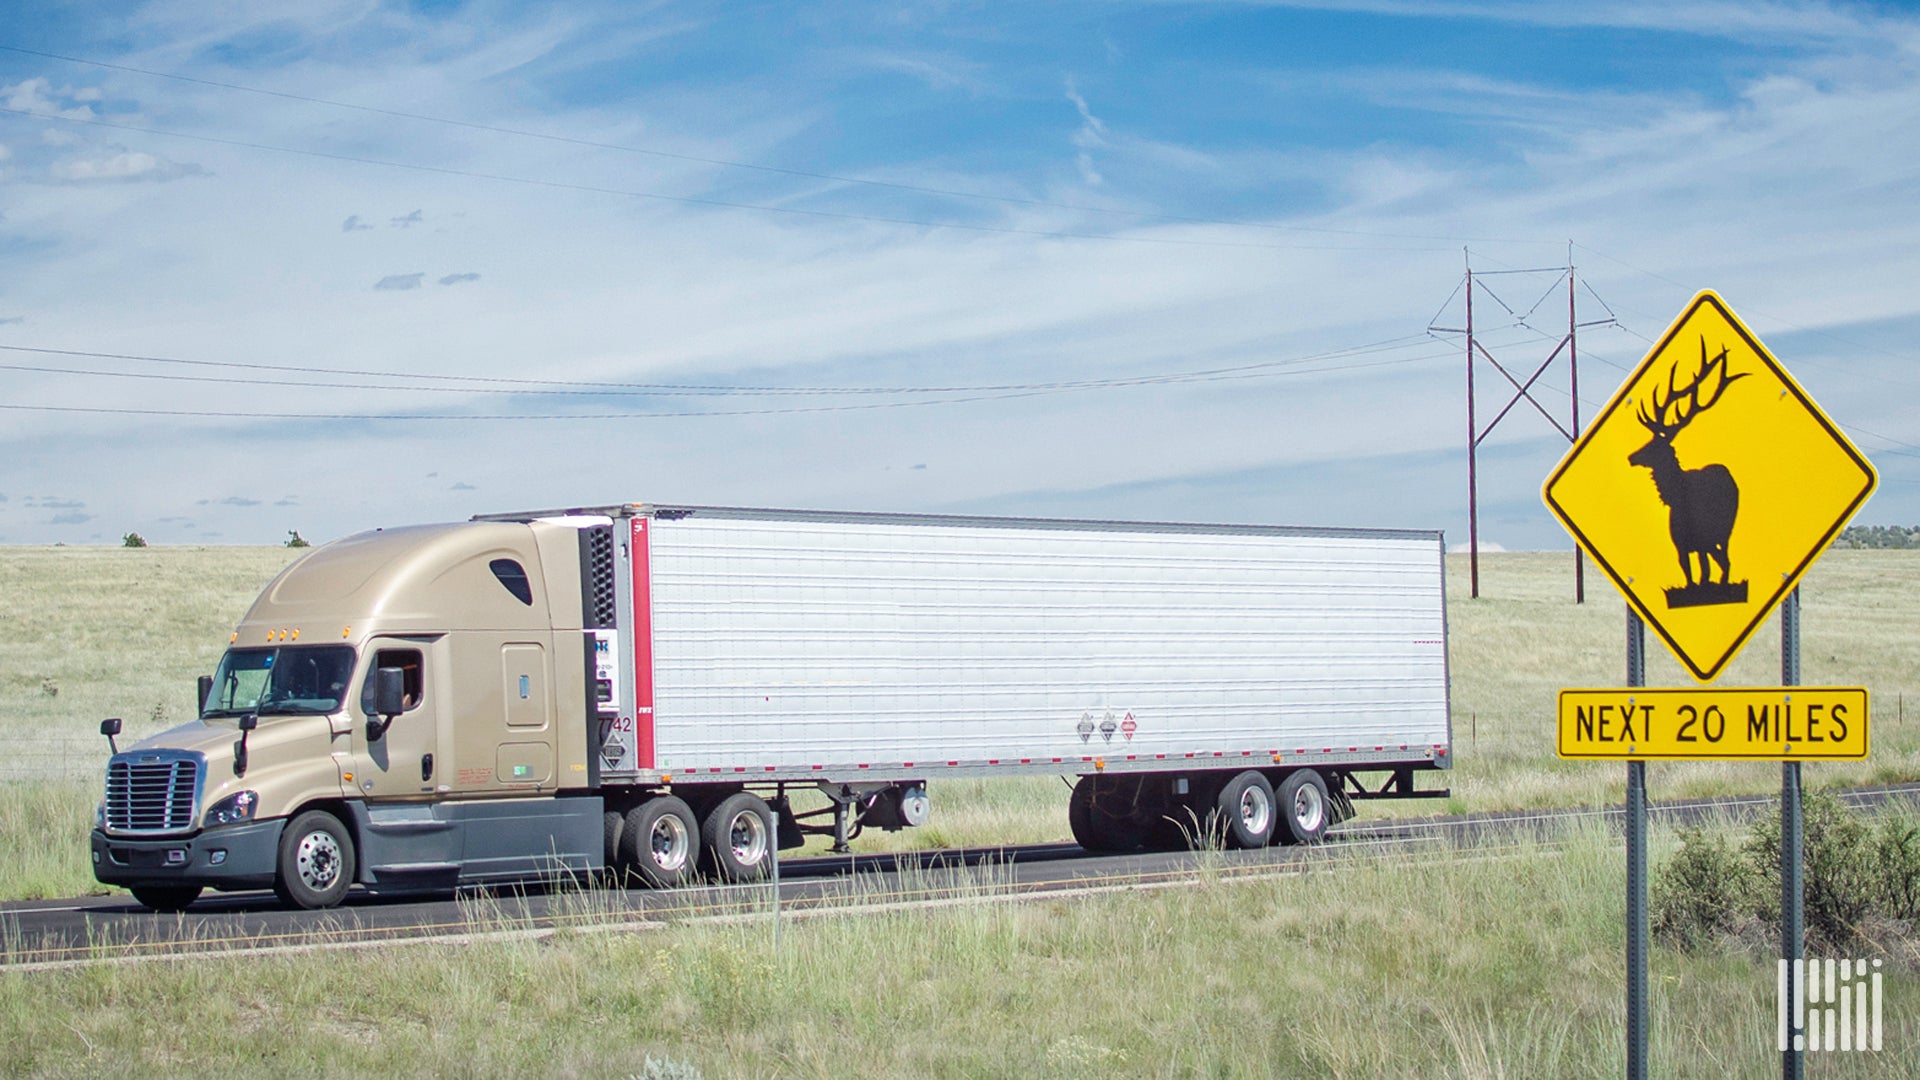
(295, 540)
(133, 539)
(1878, 536)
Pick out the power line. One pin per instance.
(254, 414)
(490, 384)
(919, 189)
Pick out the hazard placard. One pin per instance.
(1708, 485)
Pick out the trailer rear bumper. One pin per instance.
(237, 857)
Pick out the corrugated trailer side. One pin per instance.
(807, 646)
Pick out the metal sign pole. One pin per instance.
(1793, 1064)
(1636, 871)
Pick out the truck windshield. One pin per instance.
(299, 680)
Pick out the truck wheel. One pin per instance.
(661, 842)
(1246, 811)
(735, 837)
(1303, 807)
(613, 823)
(167, 898)
(316, 862)
(1093, 827)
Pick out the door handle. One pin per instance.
(426, 767)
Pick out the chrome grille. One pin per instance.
(145, 796)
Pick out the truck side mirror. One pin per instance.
(205, 689)
(389, 700)
(111, 727)
(248, 723)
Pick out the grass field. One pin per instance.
(1506, 963)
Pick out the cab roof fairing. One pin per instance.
(414, 580)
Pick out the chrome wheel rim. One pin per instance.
(1256, 811)
(1309, 809)
(747, 835)
(318, 860)
(668, 842)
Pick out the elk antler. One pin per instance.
(1669, 414)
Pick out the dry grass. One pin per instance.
(1506, 963)
(1524, 639)
(96, 632)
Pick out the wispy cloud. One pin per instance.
(399, 282)
(1091, 135)
(354, 224)
(122, 166)
(407, 221)
(459, 279)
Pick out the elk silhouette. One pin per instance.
(1703, 502)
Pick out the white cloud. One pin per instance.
(38, 96)
(122, 165)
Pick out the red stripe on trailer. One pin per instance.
(642, 643)
(1026, 761)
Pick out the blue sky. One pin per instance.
(338, 265)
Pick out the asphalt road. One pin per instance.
(93, 929)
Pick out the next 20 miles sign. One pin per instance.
(1788, 723)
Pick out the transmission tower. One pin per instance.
(1478, 354)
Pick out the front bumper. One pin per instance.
(236, 857)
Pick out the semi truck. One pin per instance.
(660, 694)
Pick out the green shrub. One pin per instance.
(1710, 890)
(133, 539)
(1703, 893)
(1896, 852)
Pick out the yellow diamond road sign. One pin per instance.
(1708, 485)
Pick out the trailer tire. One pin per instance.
(1094, 828)
(735, 838)
(1246, 811)
(661, 842)
(1303, 807)
(168, 899)
(315, 867)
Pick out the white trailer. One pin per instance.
(869, 654)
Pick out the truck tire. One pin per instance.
(1303, 807)
(661, 842)
(166, 898)
(1093, 827)
(613, 823)
(1246, 811)
(735, 837)
(315, 867)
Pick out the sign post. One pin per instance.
(1636, 872)
(1793, 898)
(1703, 552)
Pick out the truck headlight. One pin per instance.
(232, 810)
(100, 816)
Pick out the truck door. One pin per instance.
(405, 761)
